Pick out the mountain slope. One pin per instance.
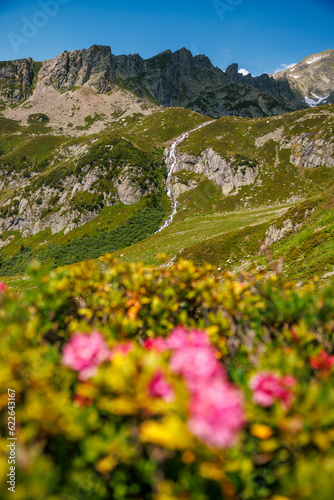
(67, 199)
(277, 165)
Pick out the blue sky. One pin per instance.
(260, 35)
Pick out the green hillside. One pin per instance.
(225, 230)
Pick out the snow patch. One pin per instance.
(316, 58)
(243, 71)
(311, 102)
(313, 60)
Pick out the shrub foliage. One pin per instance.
(125, 429)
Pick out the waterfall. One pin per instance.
(172, 161)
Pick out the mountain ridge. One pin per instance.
(170, 79)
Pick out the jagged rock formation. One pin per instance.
(76, 68)
(170, 79)
(275, 233)
(308, 150)
(278, 88)
(278, 232)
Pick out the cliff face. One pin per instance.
(76, 68)
(220, 171)
(16, 79)
(179, 79)
(311, 152)
(172, 79)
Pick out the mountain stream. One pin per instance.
(172, 161)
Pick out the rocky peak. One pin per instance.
(233, 72)
(312, 78)
(76, 68)
(129, 66)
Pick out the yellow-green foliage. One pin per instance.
(106, 438)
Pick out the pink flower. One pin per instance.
(194, 357)
(160, 388)
(123, 349)
(196, 364)
(322, 361)
(84, 353)
(2, 286)
(269, 387)
(180, 338)
(158, 344)
(216, 413)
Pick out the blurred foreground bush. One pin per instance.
(116, 400)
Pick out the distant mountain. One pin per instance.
(93, 87)
(312, 79)
(169, 79)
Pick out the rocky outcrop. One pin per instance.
(5, 242)
(223, 172)
(179, 188)
(47, 208)
(276, 136)
(278, 232)
(311, 152)
(274, 234)
(129, 192)
(74, 69)
(66, 220)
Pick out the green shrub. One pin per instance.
(38, 117)
(84, 201)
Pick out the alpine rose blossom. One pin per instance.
(196, 364)
(322, 361)
(157, 344)
(216, 413)
(85, 353)
(269, 387)
(216, 408)
(193, 357)
(181, 338)
(160, 388)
